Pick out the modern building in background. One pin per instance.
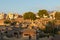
(52, 15)
(10, 16)
(16, 16)
(1, 15)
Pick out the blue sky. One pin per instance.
(22, 6)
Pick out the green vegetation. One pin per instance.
(57, 15)
(13, 23)
(7, 21)
(29, 15)
(51, 28)
(42, 12)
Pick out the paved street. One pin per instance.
(57, 37)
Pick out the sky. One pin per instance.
(21, 6)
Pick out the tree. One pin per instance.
(7, 21)
(51, 28)
(42, 12)
(57, 15)
(13, 23)
(29, 15)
